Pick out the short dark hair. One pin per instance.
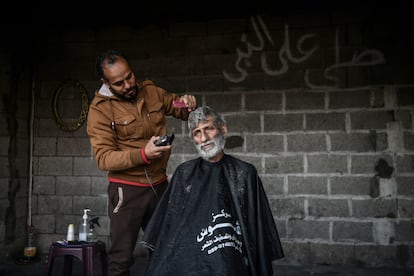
(107, 57)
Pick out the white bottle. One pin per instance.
(84, 226)
(71, 232)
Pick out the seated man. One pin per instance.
(214, 218)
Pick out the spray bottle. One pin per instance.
(91, 235)
(84, 226)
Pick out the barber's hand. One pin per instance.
(152, 151)
(190, 101)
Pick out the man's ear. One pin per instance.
(224, 130)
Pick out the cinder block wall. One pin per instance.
(321, 104)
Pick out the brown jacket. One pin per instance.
(117, 146)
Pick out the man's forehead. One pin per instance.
(204, 123)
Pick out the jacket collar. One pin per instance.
(104, 91)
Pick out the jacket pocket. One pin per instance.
(156, 114)
(125, 126)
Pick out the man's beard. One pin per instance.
(218, 142)
(124, 97)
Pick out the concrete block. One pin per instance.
(273, 185)
(350, 185)
(320, 207)
(97, 204)
(403, 117)
(405, 163)
(387, 187)
(284, 164)
(305, 101)
(377, 97)
(73, 146)
(327, 163)
(264, 143)
(73, 185)
(45, 185)
(306, 143)
(86, 166)
(44, 223)
(405, 96)
(375, 208)
(406, 208)
(99, 185)
(225, 102)
(324, 253)
(405, 186)
(349, 99)
(287, 207)
(404, 231)
(44, 146)
(263, 101)
(383, 255)
(366, 164)
(325, 121)
(384, 232)
(371, 119)
(283, 122)
(281, 228)
(395, 137)
(204, 83)
(308, 185)
(244, 123)
(50, 204)
(358, 142)
(408, 141)
(308, 229)
(55, 165)
(383, 187)
(297, 252)
(352, 231)
(390, 99)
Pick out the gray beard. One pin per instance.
(219, 143)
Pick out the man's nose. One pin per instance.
(126, 84)
(204, 136)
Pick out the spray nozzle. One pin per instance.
(85, 213)
(93, 221)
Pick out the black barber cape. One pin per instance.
(213, 219)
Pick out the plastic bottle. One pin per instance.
(70, 236)
(84, 226)
(30, 248)
(91, 234)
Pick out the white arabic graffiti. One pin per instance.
(368, 57)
